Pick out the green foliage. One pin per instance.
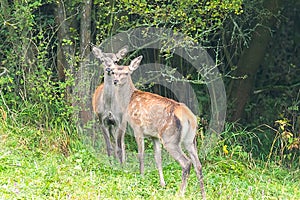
(30, 89)
(285, 148)
(192, 18)
(236, 141)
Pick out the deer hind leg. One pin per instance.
(176, 152)
(157, 156)
(192, 150)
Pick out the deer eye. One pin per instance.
(126, 73)
(112, 72)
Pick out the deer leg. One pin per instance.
(114, 132)
(106, 136)
(192, 150)
(140, 142)
(185, 163)
(121, 145)
(157, 156)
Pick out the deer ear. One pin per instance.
(135, 63)
(106, 58)
(122, 53)
(97, 53)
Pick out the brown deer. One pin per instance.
(103, 105)
(162, 119)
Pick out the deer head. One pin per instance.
(109, 59)
(122, 73)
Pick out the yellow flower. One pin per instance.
(225, 151)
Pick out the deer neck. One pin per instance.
(108, 92)
(124, 93)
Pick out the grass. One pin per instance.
(36, 164)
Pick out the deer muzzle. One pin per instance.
(116, 82)
(108, 70)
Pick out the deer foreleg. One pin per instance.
(106, 136)
(121, 145)
(140, 142)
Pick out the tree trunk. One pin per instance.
(85, 29)
(64, 47)
(251, 59)
(83, 85)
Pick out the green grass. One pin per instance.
(35, 164)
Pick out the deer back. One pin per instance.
(159, 115)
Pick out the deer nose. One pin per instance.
(116, 81)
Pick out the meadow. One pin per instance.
(40, 164)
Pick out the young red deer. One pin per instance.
(103, 105)
(162, 119)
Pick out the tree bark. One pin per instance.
(83, 85)
(250, 60)
(64, 49)
(85, 29)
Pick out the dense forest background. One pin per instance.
(254, 43)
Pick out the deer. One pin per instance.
(166, 121)
(103, 105)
